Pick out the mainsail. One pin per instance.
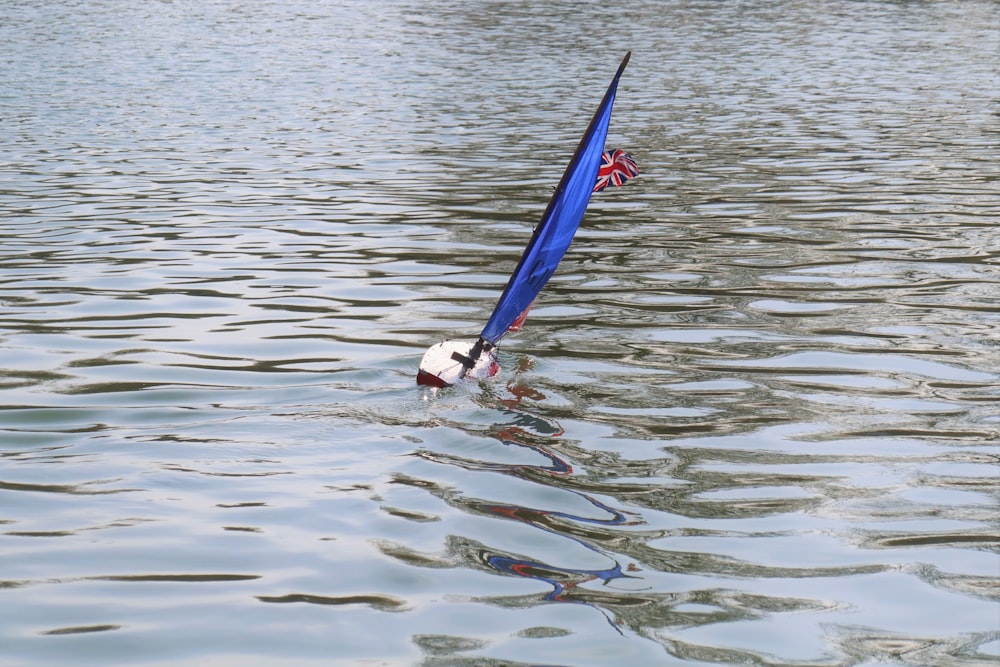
(559, 223)
(591, 168)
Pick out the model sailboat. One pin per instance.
(591, 169)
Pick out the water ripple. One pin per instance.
(752, 419)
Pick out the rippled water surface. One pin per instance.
(753, 420)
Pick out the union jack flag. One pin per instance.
(617, 166)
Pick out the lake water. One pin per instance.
(754, 418)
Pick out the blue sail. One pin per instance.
(559, 223)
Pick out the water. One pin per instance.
(752, 420)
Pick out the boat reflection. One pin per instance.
(524, 429)
(563, 580)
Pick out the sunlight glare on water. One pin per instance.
(751, 420)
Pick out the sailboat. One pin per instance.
(591, 168)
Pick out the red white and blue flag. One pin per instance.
(617, 166)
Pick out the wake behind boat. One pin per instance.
(591, 169)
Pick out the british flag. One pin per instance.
(617, 166)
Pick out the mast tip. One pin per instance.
(621, 68)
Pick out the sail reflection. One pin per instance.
(563, 580)
(537, 434)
